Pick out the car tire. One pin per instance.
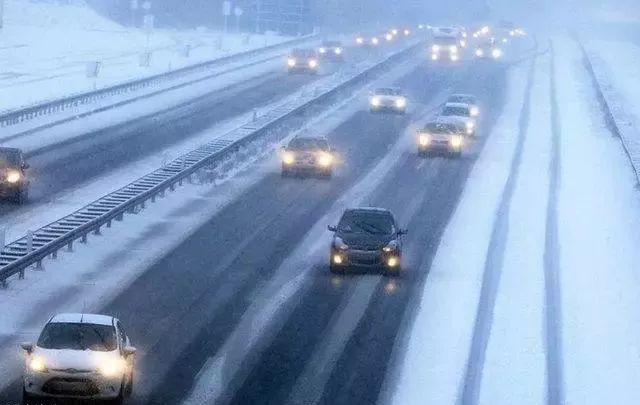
(335, 269)
(128, 390)
(22, 195)
(28, 399)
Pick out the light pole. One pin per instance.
(148, 21)
(134, 8)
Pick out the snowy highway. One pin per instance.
(516, 282)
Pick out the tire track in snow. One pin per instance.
(472, 377)
(553, 310)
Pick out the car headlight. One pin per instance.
(323, 50)
(479, 52)
(360, 40)
(475, 111)
(435, 48)
(453, 49)
(375, 41)
(13, 176)
(288, 158)
(470, 124)
(110, 367)
(391, 247)
(454, 57)
(393, 261)
(434, 56)
(394, 32)
(339, 244)
(512, 33)
(313, 63)
(325, 159)
(496, 53)
(375, 101)
(463, 43)
(424, 139)
(37, 364)
(456, 141)
(389, 37)
(338, 51)
(407, 32)
(401, 103)
(291, 62)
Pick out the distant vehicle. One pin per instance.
(489, 49)
(368, 40)
(14, 183)
(445, 48)
(366, 238)
(79, 356)
(469, 99)
(459, 113)
(333, 50)
(388, 99)
(308, 155)
(303, 60)
(441, 136)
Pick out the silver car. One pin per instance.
(79, 356)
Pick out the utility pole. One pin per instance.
(1, 14)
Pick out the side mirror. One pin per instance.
(332, 228)
(129, 351)
(27, 347)
(402, 232)
(25, 165)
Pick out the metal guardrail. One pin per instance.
(33, 248)
(615, 114)
(50, 107)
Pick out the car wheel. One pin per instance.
(129, 387)
(22, 195)
(335, 269)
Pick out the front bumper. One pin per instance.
(306, 168)
(10, 189)
(445, 57)
(84, 385)
(444, 147)
(371, 259)
(391, 108)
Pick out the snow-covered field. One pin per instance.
(45, 48)
(597, 226)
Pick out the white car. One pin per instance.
(389, 99)
(459, 113)
(466, 99)
(81, 356)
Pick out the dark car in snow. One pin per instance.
(366, 238)
(14, 183)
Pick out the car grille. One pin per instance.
(70, 386)
(368, 258)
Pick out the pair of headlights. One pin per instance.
(455, 141)
(399, 103)
(312, 63)
(108, 366)
(324, 159)
(437, 48)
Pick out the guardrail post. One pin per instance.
(84, 238)
(255, 114)
(96, 231)
(153, 198)
(109, 224)
(119, 217)
(39, 266)
(70, 246)
(54, 255)
(182, 166)
(29, 241)
(3, 284)
(3, 233)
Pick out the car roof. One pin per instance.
(303, 50)
(369, 210)
(10, 150)
(93, 319)
(457, 105)
(463, 95)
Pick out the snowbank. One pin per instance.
(45, 49)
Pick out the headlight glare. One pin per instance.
(475, 111)
(323, 50)
(112, 367)
(288, 158)
(375, 101)
(13, 176)
(424, 139)
(325, 159)
(456, 141)
(435, 48)
(291, 62)
(401, 103)
(313, 63)
(338, 51)
(453, 49)
(496, 53)
(37, 364)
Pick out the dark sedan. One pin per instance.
(14, 183)
(366, 238)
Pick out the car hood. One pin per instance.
(78, 360)
(365, 241)
(454, 119)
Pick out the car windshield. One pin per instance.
(377, 223)
(78, 336)
(438, 128)
(445, 41)
(9, 158)
(308, 143)
(388, 92)
(332, 44)
(303, 53)
(451, 111)
(461, 99)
